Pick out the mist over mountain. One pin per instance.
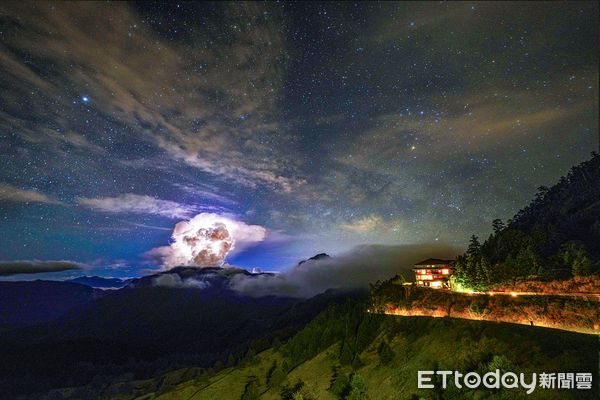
(193, 277)
(181, 317)
(352, 270)
(100, 282)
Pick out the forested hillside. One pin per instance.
(346, 353)
(556, 236)
(178, 318)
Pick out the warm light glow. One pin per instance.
(428, 277)
(458, 287)
(513, 294)
(436, 284)
(446, 271)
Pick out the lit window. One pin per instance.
(436, 284)
(445, 271)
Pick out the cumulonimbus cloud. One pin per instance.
(35, 266)
(138, 204)
(205, 241)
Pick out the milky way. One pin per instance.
(328, 125)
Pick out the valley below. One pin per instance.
(345, 353)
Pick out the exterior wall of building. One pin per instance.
(433, 275)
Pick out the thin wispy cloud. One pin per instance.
(143, 88)
(18, 195)
(384, 123)
(137, 204)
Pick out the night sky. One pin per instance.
(326, 125)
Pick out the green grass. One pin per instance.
(418, 343)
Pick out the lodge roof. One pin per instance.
(435, 261)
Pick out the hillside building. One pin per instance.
(434, 273)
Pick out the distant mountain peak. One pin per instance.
(320, 256)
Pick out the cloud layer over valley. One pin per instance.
(355, 269)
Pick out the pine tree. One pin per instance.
(358, 389)
(346, 353)
(386, 354)
(498, 225)
(219, 365)
(252, 390)
(474, 246)
(276, 375)
(339, 384)
(576, 257)
(230, 361)
(542, 192)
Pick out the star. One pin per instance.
(286, 116)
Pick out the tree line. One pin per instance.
(556, 236)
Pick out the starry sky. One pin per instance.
(330, 125)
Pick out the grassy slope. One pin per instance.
(419, 343)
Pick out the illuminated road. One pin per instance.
(533, 317)
(587, 296)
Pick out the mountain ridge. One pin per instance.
(190, 316)
(100, 282)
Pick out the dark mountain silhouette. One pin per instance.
(177, 318)
(568, 211)
(26, 303)
(100, 282)
(556, 236)
(320, 256)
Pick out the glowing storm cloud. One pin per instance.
(206, 240)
